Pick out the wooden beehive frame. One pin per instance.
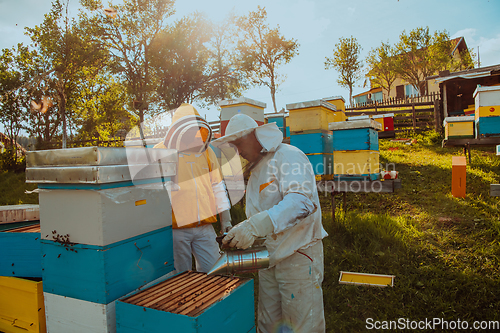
(29, 228)
(188, 293)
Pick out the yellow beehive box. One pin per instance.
(458, 127)
(21, 305)
(487, 101)
(356, 163)
(312, 115)
(338, 101)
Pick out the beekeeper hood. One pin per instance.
(188, 130)
(240, 125)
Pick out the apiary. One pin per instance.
(190, 302)
(21, 305)
(20, 248)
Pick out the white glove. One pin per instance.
(243, 235)
(225, 222)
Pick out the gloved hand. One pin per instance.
(225, 222)
(243, 234)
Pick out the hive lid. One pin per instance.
(17, 213)
(98, 174)
(353, 124)
(241, 100)
(310, 104)
(93, 156)
(458, 119)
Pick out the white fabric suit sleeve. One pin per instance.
(220, 194)
(287, 212)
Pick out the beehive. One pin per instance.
(356, 165)
(322, 164)
(355, 135)
(312, 115)
(242, 105)
(106, 230)
(386, 120)
(101, 274)
(20, 248)
(487, 127)
(458, 127)
(189, 302)
(338, 101)
(21, 305)
(19, 213)
(487, 101)
(313, 142)
(281, 122)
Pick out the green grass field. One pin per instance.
(444, 251)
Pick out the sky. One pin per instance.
(317, 25)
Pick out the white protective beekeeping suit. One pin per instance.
(281, 192)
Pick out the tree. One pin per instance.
(100, 112)
(65, 51)
(128, 31)
(263, 50)
(421, 54)
(12, 113)
(347, 62)
(382, 67)
(192, 65)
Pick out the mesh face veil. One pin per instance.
(187, 130)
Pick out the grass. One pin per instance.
(13, 187)
(444, 251)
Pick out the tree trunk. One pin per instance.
(273, 96)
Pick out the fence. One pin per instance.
(417, 113)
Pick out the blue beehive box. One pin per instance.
(322, 163)
(101, 274)
(280, 121)
(20, 252)
(313, 143)
(355, 139)
(488, 127)
(190, 302)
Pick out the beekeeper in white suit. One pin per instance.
(201, 193)
(282, 205)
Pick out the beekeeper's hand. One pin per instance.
(225, 222)
(243, 234)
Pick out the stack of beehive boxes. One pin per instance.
(487, 113)
(356, 149)
(21, 295)
(105, 227)
(252, 108)
(309, 132)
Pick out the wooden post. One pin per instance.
(437, 117)
(458, 176)
(414, 117)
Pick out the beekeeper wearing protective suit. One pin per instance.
(282, 205)
(200, 193)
